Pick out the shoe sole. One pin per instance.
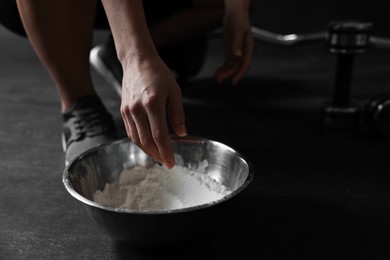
(64, 147)
(103, 71)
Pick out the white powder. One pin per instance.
(157, 188)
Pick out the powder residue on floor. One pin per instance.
(157, 188)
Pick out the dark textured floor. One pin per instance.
(315, 195)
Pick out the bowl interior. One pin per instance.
(96, 167)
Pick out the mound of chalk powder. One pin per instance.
(158, 189)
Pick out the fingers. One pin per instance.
(159, 132)
(149, 131)
(227, 70)
(234, 69)
(133, 133)
(245, 60)
(237, 63)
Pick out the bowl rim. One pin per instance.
(93, 204)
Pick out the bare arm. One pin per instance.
(149, 90)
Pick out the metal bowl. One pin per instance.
(91, 171)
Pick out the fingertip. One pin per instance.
(219, 75)
(169, 165)
(182, 130)
(235, 81)
(238, 53)
(170, 161)
(219, 80)
(216, 74)
(179, 128)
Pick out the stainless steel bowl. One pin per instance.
(90, 172)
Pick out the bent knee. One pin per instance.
(212, 4)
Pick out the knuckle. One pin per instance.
(135, 107)
(135, 141)
(150, 101)
(160, 137)
(145, 141)
(124, 110)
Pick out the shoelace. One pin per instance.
(92, 123)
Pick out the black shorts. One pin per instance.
(155, 11)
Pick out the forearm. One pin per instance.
(236, 5)
(128, 25)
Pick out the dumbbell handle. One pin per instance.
(343, 80)
(380, 42)
(286, 39)
(295, 39)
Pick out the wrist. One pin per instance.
(237, 5)
(136, 57)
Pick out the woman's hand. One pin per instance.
(238, 42)
(150, 94)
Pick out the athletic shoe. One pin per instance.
(86, 125)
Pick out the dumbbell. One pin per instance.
(377, 113)
(345, 39)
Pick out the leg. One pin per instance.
(200, 17)
(61, 33)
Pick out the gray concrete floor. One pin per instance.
(314, 195)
